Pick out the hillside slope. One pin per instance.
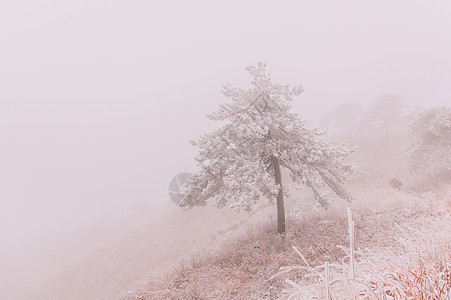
(244, 267)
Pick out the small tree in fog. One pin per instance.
(385, 112)
(242, 160)
(428, 147)
(343, 120)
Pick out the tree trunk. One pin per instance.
(386, 129)
(280, 206)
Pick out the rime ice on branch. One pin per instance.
(242, 160)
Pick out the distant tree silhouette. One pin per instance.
(386, 111)
(343, 120)
(428, 142)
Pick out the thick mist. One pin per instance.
(98, 101)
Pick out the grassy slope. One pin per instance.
(241, 268)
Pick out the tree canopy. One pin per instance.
(241, 161)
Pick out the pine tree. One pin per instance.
(242, 161)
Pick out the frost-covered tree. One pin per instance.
(241, 161)
(428, 146)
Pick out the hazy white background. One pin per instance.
(99, 99)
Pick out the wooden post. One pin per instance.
(326, 269)
(351, 244)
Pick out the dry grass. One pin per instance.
(242, 268)
(415, 262)
(417, 266)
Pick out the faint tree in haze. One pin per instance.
(242, 160)
(343, 120)
(385, 112)
(428, 145)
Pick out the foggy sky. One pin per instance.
(99, 99)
